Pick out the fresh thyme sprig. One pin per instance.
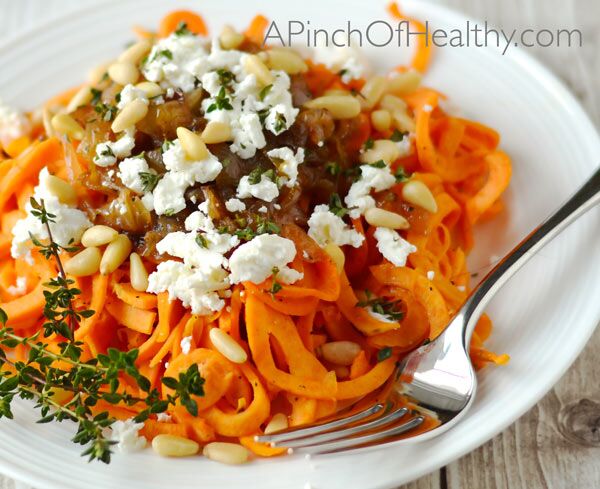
(389, 309)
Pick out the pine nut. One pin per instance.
(278, 422)
(340, 106)
(417, 193)
(286, 60)
(135, 52)
(254, 65)
(404, 83)
(226, 453)
(96, 74)
(98, 235)
(130, 115)
(372, 91)
(123, 72)
(403, 121)
(383, 149)
(138, 275)
(174, 446)
(336, 91)
(66, 125)
(392, 103)
(385, 219)
(115, 254)
(216, 132)
(230, 38)
(61, 189)
(151, 89)
(192, 144)
(336, 254)
(340, 352)
(381, 119)
(84, 263)
(227, 346)
(82, 97)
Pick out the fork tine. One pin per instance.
(295, 433)
(352, 430)
(348, 443)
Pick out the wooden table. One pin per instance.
(557, 444)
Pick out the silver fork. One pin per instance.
(438, 377)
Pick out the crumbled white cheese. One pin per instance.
(125, 433)
(325, 227)
(393, 247)
(263, 209)
(347, 60)
(164, 417)
(287, 163)
(405, 145)
(430, 274)
(235, 205)
(462, 288)
(248, 137)
(186, 344)
(109, 152)
(197, 280)
(176, 160)
(168, 196)
(257, 260)
(67, 228)
(129, 94)
(372, 178)
(129, 173)
(427, 108)
(19, 288)
(266, 189)
(13, 124)
(177, 61)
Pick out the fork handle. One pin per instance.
(582, 201)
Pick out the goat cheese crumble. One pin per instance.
(261, 257)
(372, 178)
(287, 163)
(126, 435)
(109, 152)
(235, 205)
(129, 94)
(393, 247)
(69, 222)
(19, 288)
(129, 173)
(325, 227)
(186, 344)
(266, 189)
(13, 124)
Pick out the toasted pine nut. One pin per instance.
(340, 352)
(336, 254)
(278, 422)
(254, 65)
(192, 144)
(135, 52)
(226, 453)
(392, 103)
(61, 189)
(227, 346)
(381, 119)
(216, 132)
(340, 106)
(417, 193)
(65, 124)
(336, 91)
(286, 60)
(96, 74)
(385, 219)
(404, 83)
(84, 263)
(230, 38)
(341, 372)
(383, 149)
(138, 275)
(174, 446)
(372, 91)
(130, 115)
(115, 254)
(150, 88)
(403, 121)
(123, 72)
(98, 235)
(82, 97)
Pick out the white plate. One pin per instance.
(543, 318)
